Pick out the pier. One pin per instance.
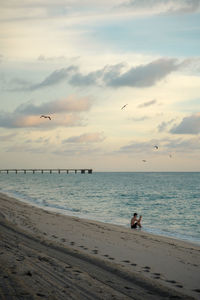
(82, 171)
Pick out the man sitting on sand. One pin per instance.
(136, 222)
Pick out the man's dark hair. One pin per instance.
(135, 214)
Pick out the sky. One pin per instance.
(81, 62)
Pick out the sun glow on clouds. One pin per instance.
(94, 137)
(105, 54)
(63, 113)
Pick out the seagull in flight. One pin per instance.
(156, 147)
(46, 117)
(124, 106)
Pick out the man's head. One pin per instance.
(135, 214)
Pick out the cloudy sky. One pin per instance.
(81, 61)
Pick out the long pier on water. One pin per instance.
(82, 171)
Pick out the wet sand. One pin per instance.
(44, 254)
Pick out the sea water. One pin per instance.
(168, 202)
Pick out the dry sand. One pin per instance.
(48, 255)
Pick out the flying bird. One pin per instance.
(156, 147)
(124, 106)
(46, 117)
(144, 160)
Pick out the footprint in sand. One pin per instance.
(63, 240)
(95, 251)
(77, 271)
(109, 281)
(72, 243)
(106, 255)
(28, 273)
(134, 265)
(179, 286)
(20, 258)
(171, 281)
(156, 275)
(128, 288)
(40, 295)
(68, 267)
(197, 290)
(146, 269)
(111, 258)
(43, 258)
(126, 261)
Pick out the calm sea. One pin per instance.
(168, 202)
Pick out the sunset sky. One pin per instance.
(81, 61)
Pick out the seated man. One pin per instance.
(136, 222)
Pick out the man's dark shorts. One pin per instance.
(134, 225)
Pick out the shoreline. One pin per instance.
(168, 264)
(159, 233)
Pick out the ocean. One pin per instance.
(168, 202)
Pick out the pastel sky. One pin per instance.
(81, 61)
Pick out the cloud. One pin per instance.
(164, 6)
(183, 145)
(20, 83)
(165, 146)
(140, 76)
(189, 125)
(148, 103)
(78, 150)
(24, 148)
(90, 79)
(67, 120)
(65, 112)
(140, 147)
(145, 75)
(50, 58)
(162, 127)
(40, 140)
(139, 119)
(112, 76)
(7, 138)
(71, 104)
(54, 78)
(99, 77)
(94, 137)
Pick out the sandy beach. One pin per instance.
(48, 255)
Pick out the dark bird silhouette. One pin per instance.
(124, 106)
(156, 147)
(144, 160)
(46, 117)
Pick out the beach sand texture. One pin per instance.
(44, 254)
